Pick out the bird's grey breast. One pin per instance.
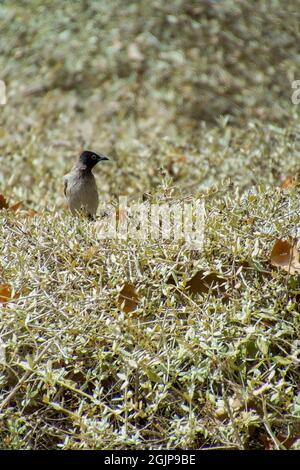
(81, 190)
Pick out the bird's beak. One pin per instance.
(102, 158)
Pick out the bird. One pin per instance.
(80, 186)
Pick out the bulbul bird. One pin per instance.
(80, 185)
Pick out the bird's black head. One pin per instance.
(90, 159)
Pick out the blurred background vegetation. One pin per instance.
(127, 76)
(120, 76)
(195, 59)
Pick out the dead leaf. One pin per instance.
(285, 255)
(288, 183)
(291, 181)
(287, 441)
(266, 441)
(31, 213)
(3, 202)
(171, 280)
(5, 292)
(128, 298)
(202, 283)
(16, 206)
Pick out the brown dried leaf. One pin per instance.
(288, 183)
(285, 255)
(266, 441)
(31, 213)
(287, 441)
(292, 181)
(16, 206)
(128, 298)
(5, 292)
(3, 202)
(171, 280)
(202, 283)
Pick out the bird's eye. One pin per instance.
(94, 157)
